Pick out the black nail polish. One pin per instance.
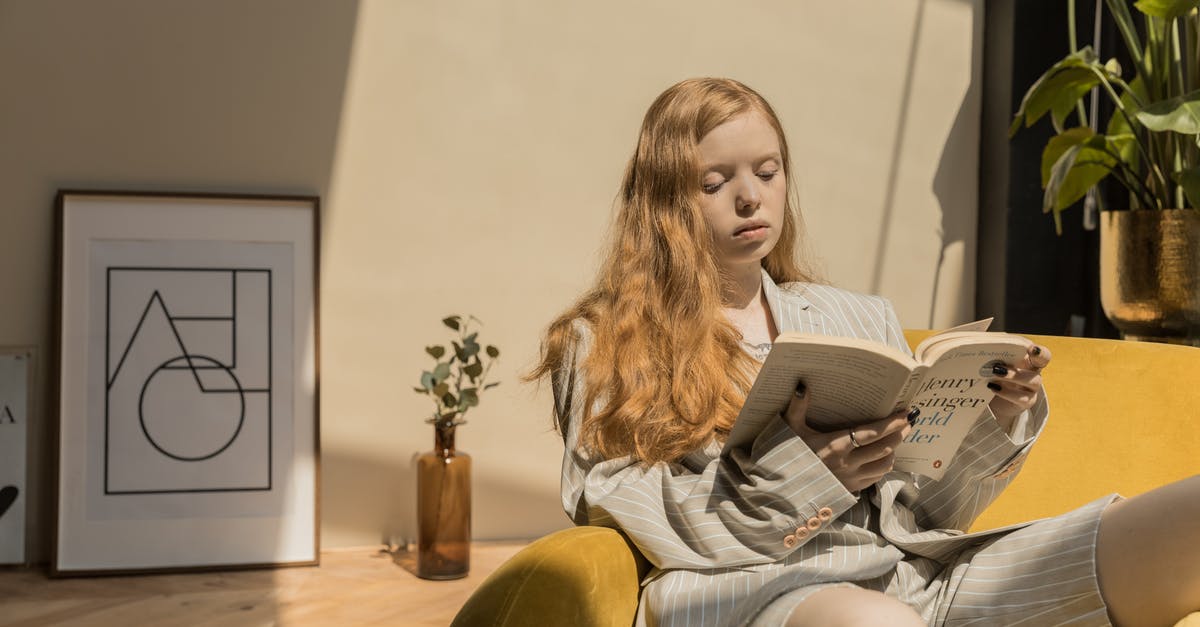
(992, 385)
(801, 390)
(912, 415)
(1037, 350)
(999, 370)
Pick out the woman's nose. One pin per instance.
(748, 198)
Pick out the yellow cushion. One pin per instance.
(583, 576)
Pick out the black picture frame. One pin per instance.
(187, 382)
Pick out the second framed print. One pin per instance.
(188, 382)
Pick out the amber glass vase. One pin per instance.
(444, 509)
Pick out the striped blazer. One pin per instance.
(728, 531)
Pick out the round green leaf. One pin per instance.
(493, 352)
(469, 397)
(452, 322)
(436, 351)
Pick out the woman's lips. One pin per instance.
(752, 232)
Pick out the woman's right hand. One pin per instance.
(858, 457)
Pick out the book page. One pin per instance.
(849, 381)
(952, 395)
(978, 326)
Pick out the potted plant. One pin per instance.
(454, 384)
(1150, 247)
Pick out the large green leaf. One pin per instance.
(1180, 114)
(1166, 9)
(1190, 181)
(1057, 91)
(1073, 162)
(1060, 144)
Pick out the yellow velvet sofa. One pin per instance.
(1125, 417)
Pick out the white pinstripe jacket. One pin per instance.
(714, 524)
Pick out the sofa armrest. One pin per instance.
(583, 576)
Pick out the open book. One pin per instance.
(852, 381)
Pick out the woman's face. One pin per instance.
(743, 189)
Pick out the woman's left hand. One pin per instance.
(1017, 385)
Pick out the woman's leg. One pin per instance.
(852, 607)
(1148, 555)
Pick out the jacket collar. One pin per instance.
(778, 299)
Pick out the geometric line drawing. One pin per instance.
(183, 365)
(151, 422)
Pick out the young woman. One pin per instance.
(651, 366)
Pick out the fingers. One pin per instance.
(1016, 388)
(1037, 357)
(886, 431)
(797, 410)
(872, 432)
(1013, 400)
(857, 463)
(1010, 378)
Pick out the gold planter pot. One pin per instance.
(1150, 274)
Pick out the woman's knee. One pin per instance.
(852, 607)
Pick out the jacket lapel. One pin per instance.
(791, 311)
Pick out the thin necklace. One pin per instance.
(757, 351)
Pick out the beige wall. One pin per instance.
(467, 154)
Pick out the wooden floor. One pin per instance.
(367, 586)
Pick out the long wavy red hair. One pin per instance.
(665, 373)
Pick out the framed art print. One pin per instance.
(188, 382)
(16, 388)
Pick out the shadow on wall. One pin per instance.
(958, 227)
(385, 492)
(889, 203)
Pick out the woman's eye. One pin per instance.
(766, 176)
(711, 188)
